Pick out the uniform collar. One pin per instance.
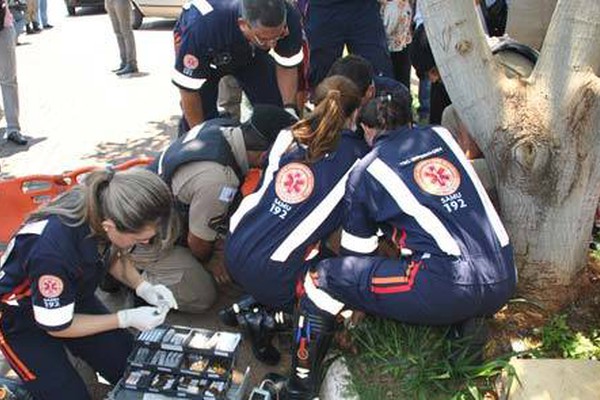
(391, 134)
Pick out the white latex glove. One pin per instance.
(157, 295)
(141, 318)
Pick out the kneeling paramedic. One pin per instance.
(416, 187)
(50, 272)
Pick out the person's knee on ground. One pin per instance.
(193, 287)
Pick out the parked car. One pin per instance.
(154, 8)
(72, 4)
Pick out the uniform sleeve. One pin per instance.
(288, 52)
(359, 234)
(52, 289)
(209, 196)
(192, 69)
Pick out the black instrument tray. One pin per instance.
(183, 339)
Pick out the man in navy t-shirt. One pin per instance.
(257, 41)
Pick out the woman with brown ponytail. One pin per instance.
(276, 232)
(52, 267)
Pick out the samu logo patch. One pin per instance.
(294, 183)
(437, 176)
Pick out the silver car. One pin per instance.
(154, 8)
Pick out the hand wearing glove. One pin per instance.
(141, 318)
(157, 295)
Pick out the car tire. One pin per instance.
(71, 10)
(136, 18)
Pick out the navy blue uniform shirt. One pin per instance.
(418, 187)
(210, 43)
(47, 267)
(276, 230)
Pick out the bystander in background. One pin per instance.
(8, 76)
(119, 12)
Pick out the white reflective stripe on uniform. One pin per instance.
(203, 6)
(283, 141)
(492, 215)
(359, 244)
(53, 316)
(186, 81)
(321, 298)
(316, 217)
(33, 228)
(159, 170)
(6, 253)
(287, 61)
(408, 203)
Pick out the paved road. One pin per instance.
(78, 112)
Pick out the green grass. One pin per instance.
(558, 340)
(397, 361)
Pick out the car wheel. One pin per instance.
(136, 18)
(71, 10)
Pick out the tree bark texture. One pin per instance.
(540, 135)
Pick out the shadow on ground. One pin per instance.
(8, 149)
(160, 134)
(88, 10)
(157, 24)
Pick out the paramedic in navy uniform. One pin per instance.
(259, 42)
(453, 258)
(275, 234)
(51, 269)
(332, 25)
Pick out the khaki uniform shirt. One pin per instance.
(209, 188)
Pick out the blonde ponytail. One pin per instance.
(337, 98)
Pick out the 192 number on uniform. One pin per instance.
(454, 205)
(277, 210)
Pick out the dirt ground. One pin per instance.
(520, 321)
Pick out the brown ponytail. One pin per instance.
(336, 98)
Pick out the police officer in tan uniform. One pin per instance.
(205, 169)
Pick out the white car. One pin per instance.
(154, 8)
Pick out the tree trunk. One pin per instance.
(540, 136)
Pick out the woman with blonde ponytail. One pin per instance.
(276, 232)
(53, 265)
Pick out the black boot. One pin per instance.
(123, 64)
(260, 327)
(36, 27)
(228, 315)
(130, 68)
(29, 29)
(468, 339)
(312, 339)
